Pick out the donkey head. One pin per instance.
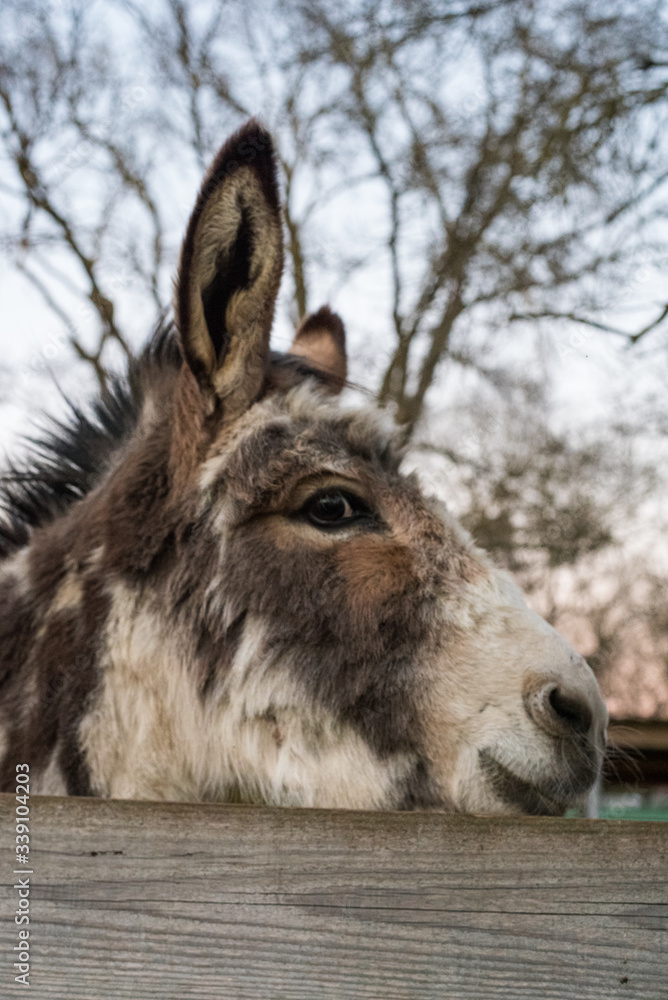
(293, 620)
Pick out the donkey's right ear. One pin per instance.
(230, 271)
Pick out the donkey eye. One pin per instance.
(334, 509)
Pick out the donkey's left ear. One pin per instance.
(321, 342)
(230, 271)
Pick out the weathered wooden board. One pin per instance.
(145, 900)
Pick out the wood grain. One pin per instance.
(150, 900)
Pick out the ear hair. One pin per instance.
(321, 341)
(230, 270)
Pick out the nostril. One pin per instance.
(562, 710)
(571, 710)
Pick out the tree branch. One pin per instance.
(632, 338)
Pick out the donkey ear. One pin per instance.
(230, 271)
(321, 341)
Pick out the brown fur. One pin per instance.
(321, 339)
(246, 599)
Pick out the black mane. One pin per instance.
(66, 461)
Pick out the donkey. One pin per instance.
(219, 586)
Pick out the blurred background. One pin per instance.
(478, 187)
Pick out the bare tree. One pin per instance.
(519, 150)
(56, 85)
(527, 140)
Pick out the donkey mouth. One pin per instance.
(547, 799)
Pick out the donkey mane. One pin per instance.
(68, 459)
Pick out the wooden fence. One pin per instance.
(149, 900)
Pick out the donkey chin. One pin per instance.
(530, 734)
